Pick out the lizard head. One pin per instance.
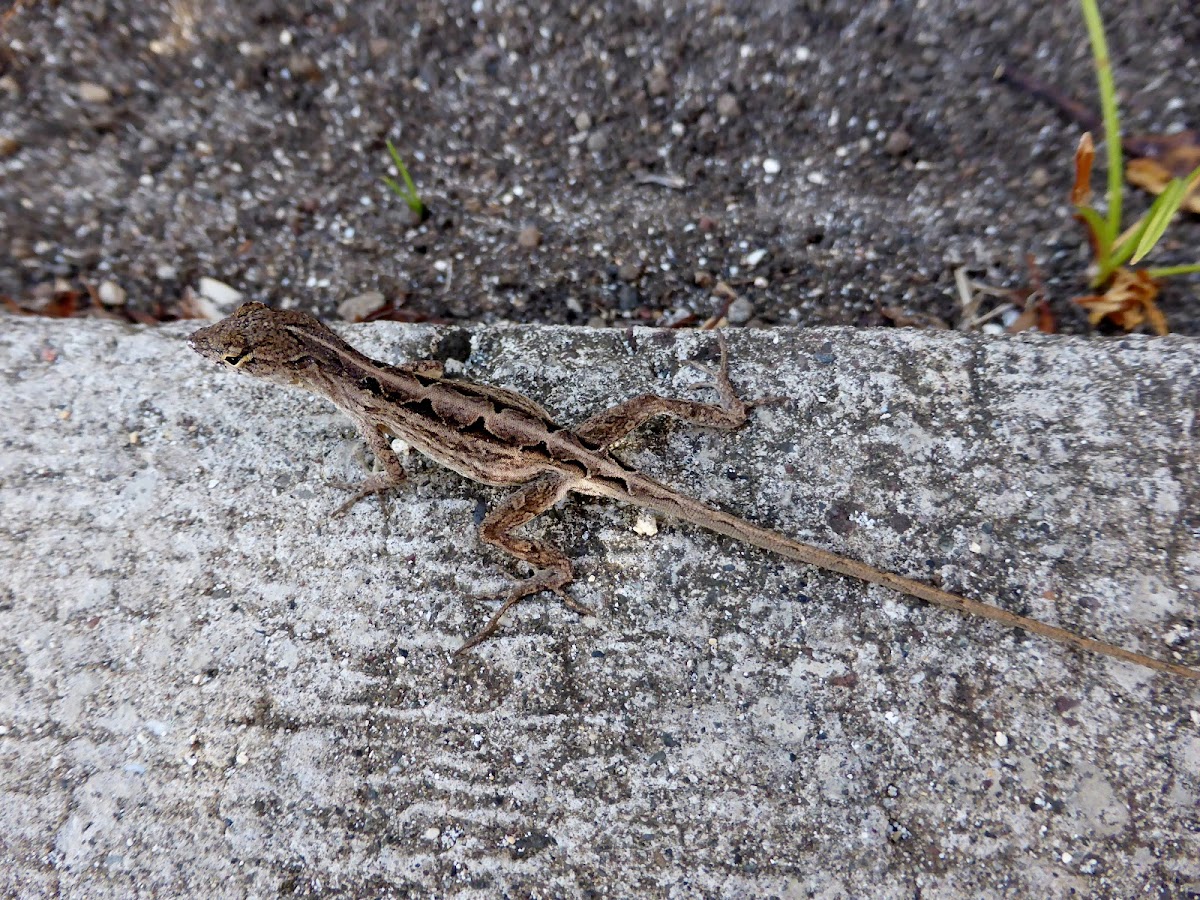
(276, 345)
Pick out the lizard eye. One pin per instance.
(236, 359)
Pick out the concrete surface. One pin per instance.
(208, 688)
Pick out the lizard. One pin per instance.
(499, 437)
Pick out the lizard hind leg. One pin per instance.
(552, 569)
(607, 427)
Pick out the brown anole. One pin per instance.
(499, 437)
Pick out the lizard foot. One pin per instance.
(379, 483)
(545, 581)
(720, 384)
(719, 381)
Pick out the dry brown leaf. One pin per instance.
(1179, 152)
(1152, 176)
(1085, 155)
(1128, 302)
(902, 318)
(61, 304)
(1036, 315)
(1026, 320)
(1046, 323)
(1035, 309)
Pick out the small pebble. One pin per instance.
(302, 67)
(597, 142)
(659, 82)
(646, 524)
(702, 279)
(90, 92)
(200, 307)
(1001, 739)
(740, 312)
(628, 298)
(358, 307)
(753, 258)
(529, 237)
(111, 293)
(583, 121)
(9, 145)
(898, 143)
(771, 166)
(219, 292)
(629, 271)
(727, 106)
(673, 318)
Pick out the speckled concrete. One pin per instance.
(208, 688)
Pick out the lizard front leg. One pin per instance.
(552, 569)
(606, 428)
(377, 482)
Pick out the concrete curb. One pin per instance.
(208, 688)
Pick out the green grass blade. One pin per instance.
(1108, 106)
(412, 188)
(1103, 251)
(1169, 271)
(1096, 223)
(408, 193)
(1125, 248)
(395, 154)
(1159, 217)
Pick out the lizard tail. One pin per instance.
(664, 500)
